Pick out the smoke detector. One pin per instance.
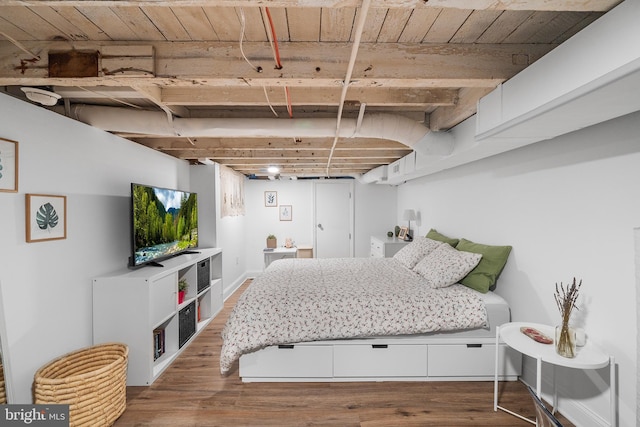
(41, 96)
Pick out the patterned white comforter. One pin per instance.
(299, 300)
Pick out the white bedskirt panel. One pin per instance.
(364, 361)
(379, 360)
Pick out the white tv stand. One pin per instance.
(129, 305)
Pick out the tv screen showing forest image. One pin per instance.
(165, 223)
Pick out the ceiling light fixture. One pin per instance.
(273, 169)
(40, 96)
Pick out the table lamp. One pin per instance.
(409, 215)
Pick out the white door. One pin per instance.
(333, 215)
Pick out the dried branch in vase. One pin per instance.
(566, 300)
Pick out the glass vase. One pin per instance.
(565, 341)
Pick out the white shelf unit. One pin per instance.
(129, 305)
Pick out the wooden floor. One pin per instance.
(192, 392)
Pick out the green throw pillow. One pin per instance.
(434, 235)
(486, 273)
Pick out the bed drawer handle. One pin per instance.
(286, 346)
(379, 346)
(474, 345)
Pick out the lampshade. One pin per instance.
(409, 215)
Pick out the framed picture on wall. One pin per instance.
(8, 165)
(271, 199)
(46, 217)
(286, 213)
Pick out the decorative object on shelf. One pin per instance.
(46, 217)
(271, 199)
(286, 213)
(565, 335)
(536, 335)
(403, 233)
(8, 165)
(389, 233)
(182, 290)
(272, 242)
(158, 343)
(288, 242)
(397, 230)
(92, 381)
(409, 215)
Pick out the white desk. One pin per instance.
(271, 255)
(587, 357)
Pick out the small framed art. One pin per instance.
(286, 213)
(402, 235)
(271, 199)
(8, 165)
(46, 217)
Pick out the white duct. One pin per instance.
(385, 126)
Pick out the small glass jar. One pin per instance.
(565, 341)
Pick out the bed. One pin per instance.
(369, 319)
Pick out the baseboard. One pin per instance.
(229, 290)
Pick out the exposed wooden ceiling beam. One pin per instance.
(154, 94)
(249, 96)
(255, 163)
(446, 117)
(168, 144)
(186, 64)
(275, 154)
(574, 5)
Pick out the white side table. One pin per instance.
(587, 357)
(271, 255)
(383, 246)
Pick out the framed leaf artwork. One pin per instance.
(271, 199)
(8, 165)
(46, 217)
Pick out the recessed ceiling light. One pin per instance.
(273, 169)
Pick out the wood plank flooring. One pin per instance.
(192, 392)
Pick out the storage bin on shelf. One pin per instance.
(92, 381)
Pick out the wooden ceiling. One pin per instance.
(428, 60)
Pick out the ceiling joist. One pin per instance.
(429, 61)
(574, 5)
(306, 65)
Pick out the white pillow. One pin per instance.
(446, 265)
(412, 253)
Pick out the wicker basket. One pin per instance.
(3, 393)
(92, 381)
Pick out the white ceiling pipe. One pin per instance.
(384, 126)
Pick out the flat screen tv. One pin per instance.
(164, 223)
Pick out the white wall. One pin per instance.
(231, 236)
(375, 211)
(375, 214)
(568, 206)
(46, 286)
(262, 221)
